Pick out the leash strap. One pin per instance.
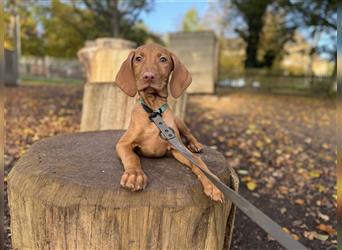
(256, 215)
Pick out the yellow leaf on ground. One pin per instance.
(320, 188)
(246, 178)
(315, 174)
(295, 236)
(259, 144)
(251, 185)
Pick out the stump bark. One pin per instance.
(64, 193)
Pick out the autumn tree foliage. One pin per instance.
(191, 21)
(266, 25)
(319, 17)
(59, 28)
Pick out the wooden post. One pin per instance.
(64, 193)
(105, 106)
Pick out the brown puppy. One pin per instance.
(146, 71)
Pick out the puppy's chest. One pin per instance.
(150, 143)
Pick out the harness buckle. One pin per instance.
(154, 114)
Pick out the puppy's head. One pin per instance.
(147, 69)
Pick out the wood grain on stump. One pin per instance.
(64, 193)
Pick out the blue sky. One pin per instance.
(166, 16)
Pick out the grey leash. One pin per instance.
(249, 209)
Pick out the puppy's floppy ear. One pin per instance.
(125, 79)
(181, 77)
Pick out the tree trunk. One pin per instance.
(115, 21)
(251, 50)
(64, 193)
(253, 13)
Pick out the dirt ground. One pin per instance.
(282, 147)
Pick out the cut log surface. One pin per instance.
(64, 193)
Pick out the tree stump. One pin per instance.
(102, 58)
(199, 51)
(64, 193)
(105, 106)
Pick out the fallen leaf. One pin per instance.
(320, 188)
(310, 235)
(295, 236)
(259, 144)
(283, 210)
(322, 237)
(323, 216)
(284, 190)
(299, 201)
(229, 153)
(246, 178)
(278, 151)
(308, 140)
(242, 171)
(326, 228)
(221, 138)
(256, 154)
(251, 185)
(315, 174)
(286, 230)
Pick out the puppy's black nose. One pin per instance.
(148, 76)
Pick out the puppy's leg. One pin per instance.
(192, 142)
(133, 178)
(209, 189)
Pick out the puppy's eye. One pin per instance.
(138, 59)
(163, 59)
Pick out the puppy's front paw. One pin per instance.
(134, 180)
(195, 146)
(213, 193)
